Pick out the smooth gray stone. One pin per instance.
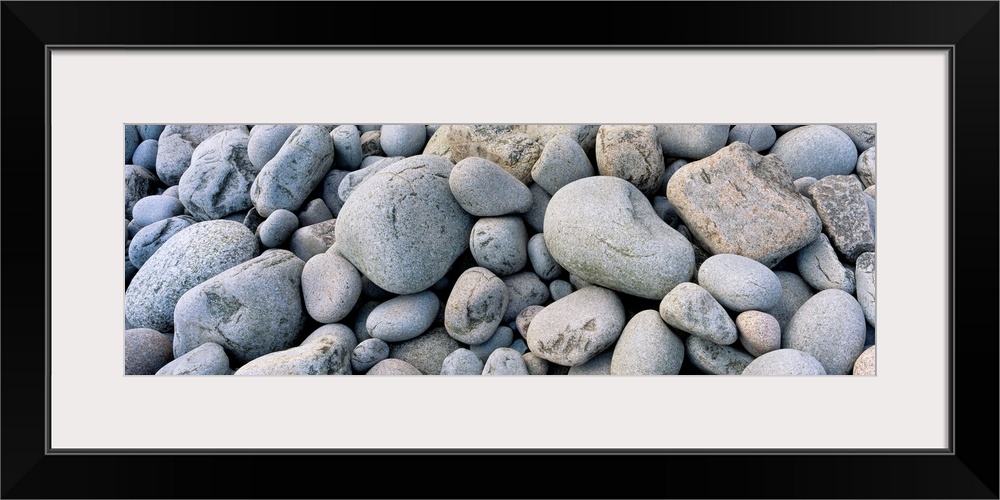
(647, 346)
(502, 337)
(252, 309)
(802, 184)
(176, 146)
(535, 216)
(277, 228)
(149, 239)
(759, 332)
(484, 189)
(559, 289)
(146, 351)
(403, 140)
(331, 190)
(500, 244)
(841, 205)
(132, 141)
(604, 230)
(574, 329)
(462, 362)
(347, 147)
(384, 226)
(794, 292)
(715, 359)
(562, 161)
(584, 135)
(693, 309)
(632, 153)
(865, 167)
(504, 145)
(427, 351)
(831, 327)
(816, 151)
(861, 134)
(692, 141)
(331, 287)
(785, 362)
(145, 154)
(475, 306)
(147, 132)
(361, 321)
(354, 179)
(327, 351)
(392, 366)
(820, 267)
(207, 359)
(218, 181)
(737, 201)
(535, 364)
(865, 364)
(404, 317)
(371, 144)
(188, 258)
(598, 365)
(298, 168)
(759, 137)
(519, 345)
(314, 212)
(523, 320)
(266, 141)
(523, 289)
(155, 208)
(865, 276)
(309, 241)
(739, 283)
(505, 361)
(437, 144)
(368, 353)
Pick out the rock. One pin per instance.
(277, 228)
(794, 293)
(584, 135)
(150, 238)
(354, 179)
(155, 208)
(145, 154)
(331, 190)
(476, 306)
(865, 276)
(501, 338)
(870, 191)
(841, 205)
(437, 143)
(576, 328)
(484, 189)
(524, 318)
(715, 359)
(371, 143)
(462, 362)
(188, 258)
(403, 140)
(385, 227)
(535, 216)
(759, 332)
(862, 135)
(426, 352)
(500, 244)
(505, 361)
(147, 132)
(252, 309)
(737, 201)
(314, 212)
(759, 137)
(691, 308)
(523, 289)
(598, 365)
(559, 289)
(819, 266)
(327, 351)
(519, 345)
(831, 327)
(297, 168)
(331, 286)
(816, 151)
(131, 142)
(139, 183)
(739, 283)
(785, 362)
(631, 152)
(562, 161)
(392, 366)
(176, 146)
(513, 151)
(865, 364)
(265, 142)
(802, 184)
(692, 141)
(252, 219)
(310, 241)
(541, 260)
(347, 147)
(865, 168)
(605, 231)
(218, 181)
(534, 364)
(368, 353)
(871, 212)
(207, 359)
(647, 347)
(146, 351)
(404, 317)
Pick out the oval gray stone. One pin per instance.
(523, 289)
(314, 212)
(300, 165)
(739, 283)
(390, 366)
(265, 142)
(309, 241)
(692, 141)
(484, 189)
(785, 362)
(715, 359)
(816, 151)
(462, 362)
(865, 364)
(862, 134)
(541, 260)
(820, 267)
(693, 309)
(559, 289)
(631, 152)
(368, 353)
(327, 351)
(347, 147)
(831, 327)
(354, 179)
(426, 352)
(218, 181)
(150, 238)
(794, 292)
(145, 154)
(176, 146)
(475, 306)
(404, 317)
(155, 208)
(535, 364)
(146, 351)
(505, 361)
(562, 161)
(647, 347)
(207, 359)
(759, 137)
(331, 287)
(500, 244)
(759, 332)
(147, 132)
(403, 140)
(865, 276)
(503, 337)
(277, 228)
(574, 329)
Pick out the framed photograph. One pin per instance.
(925, 73)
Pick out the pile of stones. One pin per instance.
(499, 249)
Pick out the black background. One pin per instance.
(971, 472)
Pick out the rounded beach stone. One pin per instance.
(484, 189)
(331, 190)
(291, 175)
(739, 283)
(865, 276)
(309, 241)
(368, 353)
(384, 227)
(535, 364)
(426, 352)
(139, 183)
(604, 230)
(147, 132)
(759, 137)
(218, 181)
(176, 146)
(266, 141)
(693, 309)
(146, 351)
(820, 267)
(503, 337)
(759, 332)
(816, 151)
(831, 327)
(523, 289)
(865, 364)
(277, 228)
(715, 359)
(347, 147)
(519, 345)
(541, 260)
(145, 154)
(331, 287)
(692, 141)
(392, 366)
(403, 140)
(794, 292)
(314, 212)
(149, 239)
(598, 365)
(404, 317)
(524, 318)
(574, 329)
(437, 143)
(156, 208)
(476, 306)
(865, 167)
(188, 258)
(631, 152)
(647, 347)
(563, 161)
(462, 362)
(252, 309)
(559, 289)
(327, 351)
(500, 244)
(505, 361)
(132, 140)
(535, 216)
(207, 359)
(785, 362)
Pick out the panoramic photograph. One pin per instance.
(499, 249)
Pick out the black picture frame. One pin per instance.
(969, 471)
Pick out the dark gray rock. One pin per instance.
(559, 289)
(841, 205)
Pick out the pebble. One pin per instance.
(631, 152)
(519, 345)
(523, 289)
(314, 212)
(865, 167)
(484, 189)
(426, 352)
(559, 289)
(392, 366)
(147, 132)
(139, 183)
(462, 362)
(476, 306)
(577, 327)
(500, 244)
(403, 140)
(145, 154)
(841, 205)
(715, 359)
(865, 276)
(820, 267)
(155, 208)
(535, 216)
(534, 364)
(131, 142)
(265, 142)
(331, 287)
(277, 228)
(816, 151)
(327, 351)
(291, 175)
(310, 241)
(865, 364)
(863, 135)
(404, 317)
(150, 238)
(504, 361)
(541, 260)
(692, 141)
(759, 332)
(347, 147)
(331, 190)
(511, 149)
(647, 346)
(503, 337)
(207, 359)
(218, 181)
(368, 353)
(759, 137)
(146, 351)
(598, 365)
(524, 318)
(739, 283)
(785, 362)
(176, 146)
(831, 327)
(562, 161)
(693, 309)
(794, 292)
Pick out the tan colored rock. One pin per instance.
(514, 151)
